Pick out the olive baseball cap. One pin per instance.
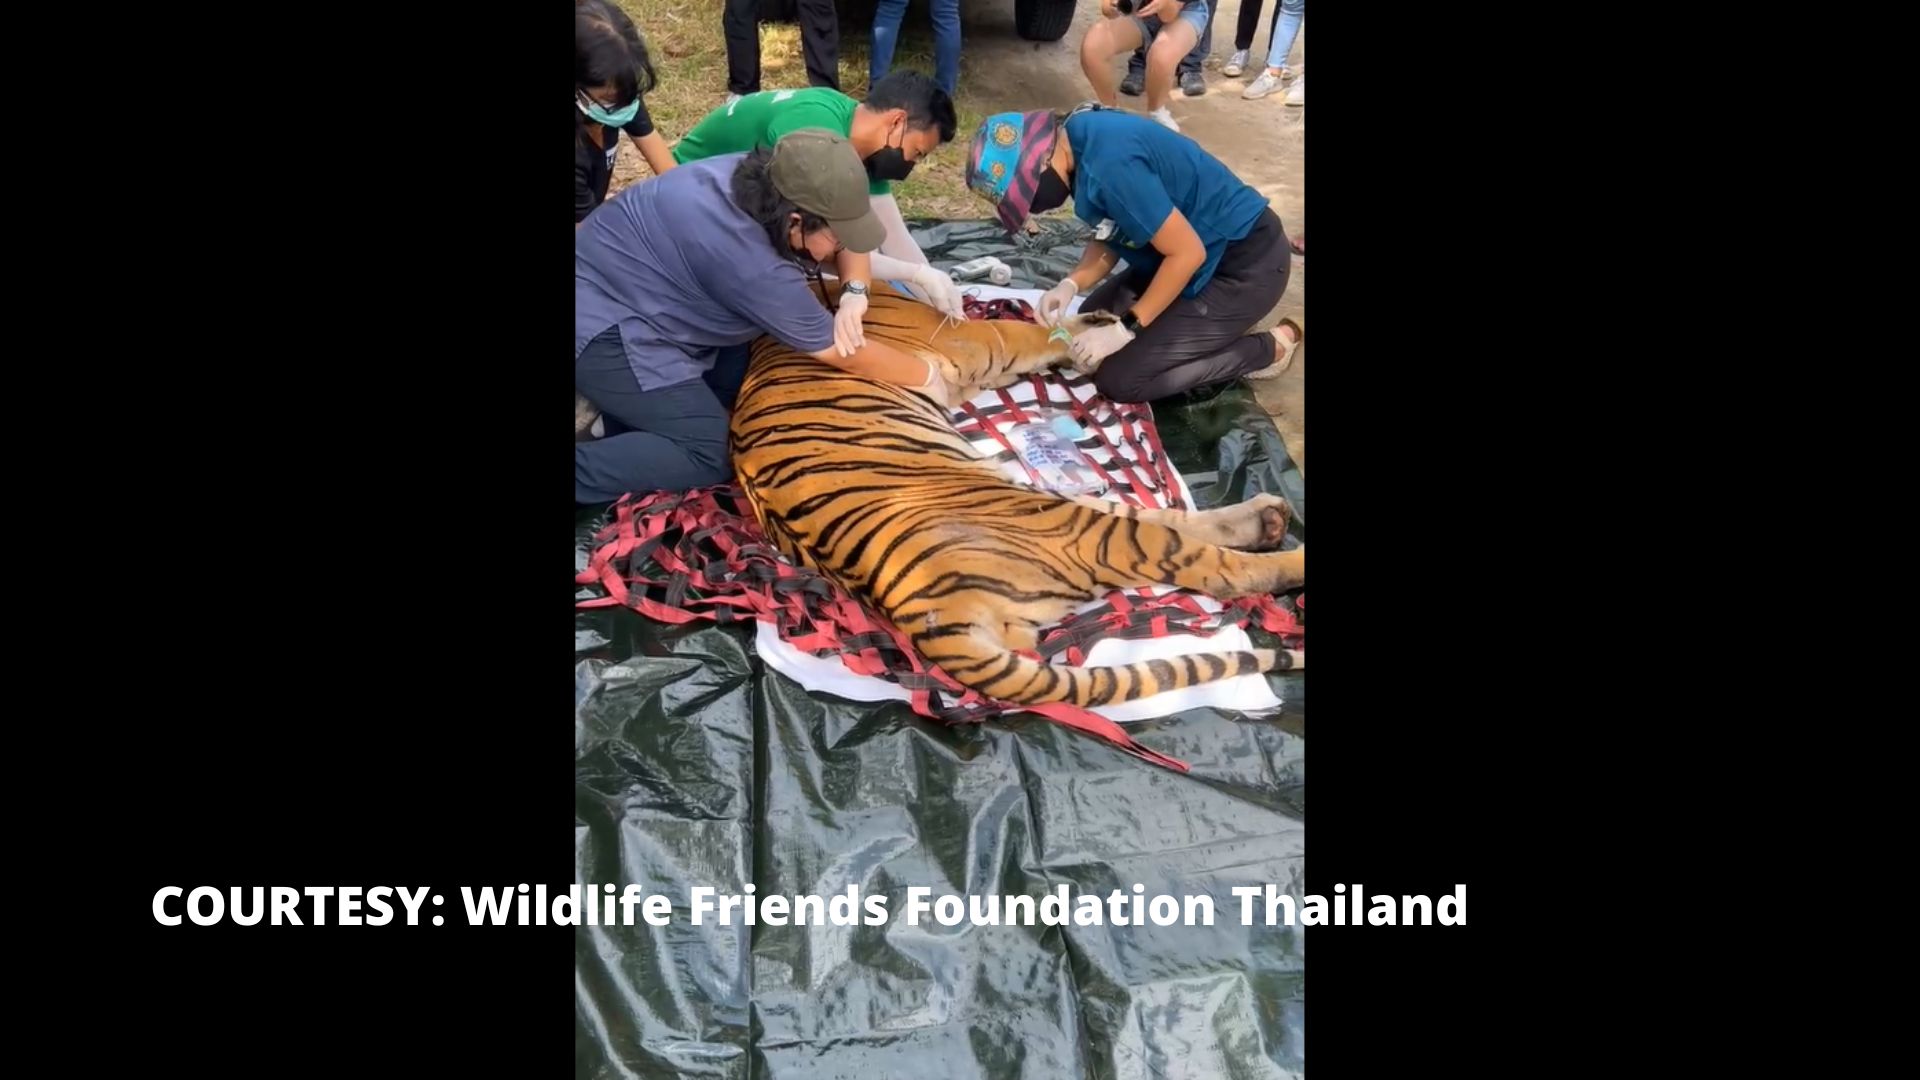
(820, 172)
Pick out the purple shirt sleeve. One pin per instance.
(743, 273)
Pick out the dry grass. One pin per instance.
(690, 56)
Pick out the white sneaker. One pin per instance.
(1268, 82)
(1236, 64)
(1165, 117)
(1298, 95)
(731, 98)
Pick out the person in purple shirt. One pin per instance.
(696, 263)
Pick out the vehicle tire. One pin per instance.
(1042, 20)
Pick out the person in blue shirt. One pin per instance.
(682, 269)
(1206, 257)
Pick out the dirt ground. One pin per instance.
(1262, 141)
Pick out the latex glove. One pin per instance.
(1090, 348)
(941, 292)
(1054, 302)
(944, 393)
(847, 333)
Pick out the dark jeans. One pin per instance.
(1201, 340)
(670, 439)
(819, 40)
(1137, 65)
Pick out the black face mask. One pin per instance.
(1050, 193)
(890, 162)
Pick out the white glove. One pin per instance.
(1054, 302)
(847, 333)
(1090, 348)
(947, 395)
(941, 292)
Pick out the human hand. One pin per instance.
(848, 336)
(941, 292)
(1095, 345)
(1055, 301)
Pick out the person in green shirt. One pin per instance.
(905, 117)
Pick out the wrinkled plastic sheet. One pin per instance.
(695, 765)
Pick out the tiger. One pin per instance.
(870, 485)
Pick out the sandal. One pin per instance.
(1285, 360)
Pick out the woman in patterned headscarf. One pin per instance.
(1207, 258)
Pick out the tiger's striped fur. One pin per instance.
(869, 484)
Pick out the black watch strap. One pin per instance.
(1131, 322)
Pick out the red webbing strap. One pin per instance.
(993, 429)
(1141, 490)
(808, 611)
(1094, 724)
(1169, 481)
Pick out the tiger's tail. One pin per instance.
(981, 662)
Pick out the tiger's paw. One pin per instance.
(1272, 515)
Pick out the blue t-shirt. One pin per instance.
(682, 271)
(1131, 171)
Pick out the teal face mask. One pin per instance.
(616, 118)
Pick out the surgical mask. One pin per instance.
(890, 162)
(598, 113)
(1049, 192)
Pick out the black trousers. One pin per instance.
(1204, 339)
(669, 439)
(1248, 24)
(819, 40)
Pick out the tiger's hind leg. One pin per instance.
(1126, 553)
(1259, 524)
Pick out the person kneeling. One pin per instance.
(1207, 258)
(691, 267)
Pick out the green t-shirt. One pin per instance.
(761, 119)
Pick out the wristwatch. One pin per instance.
(857, 288)
(1131, 322)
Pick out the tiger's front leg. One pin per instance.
(990, 354)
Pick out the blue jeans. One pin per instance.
(1195, 13)
(1286, 27)
(1189, 63)
(946, 41)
